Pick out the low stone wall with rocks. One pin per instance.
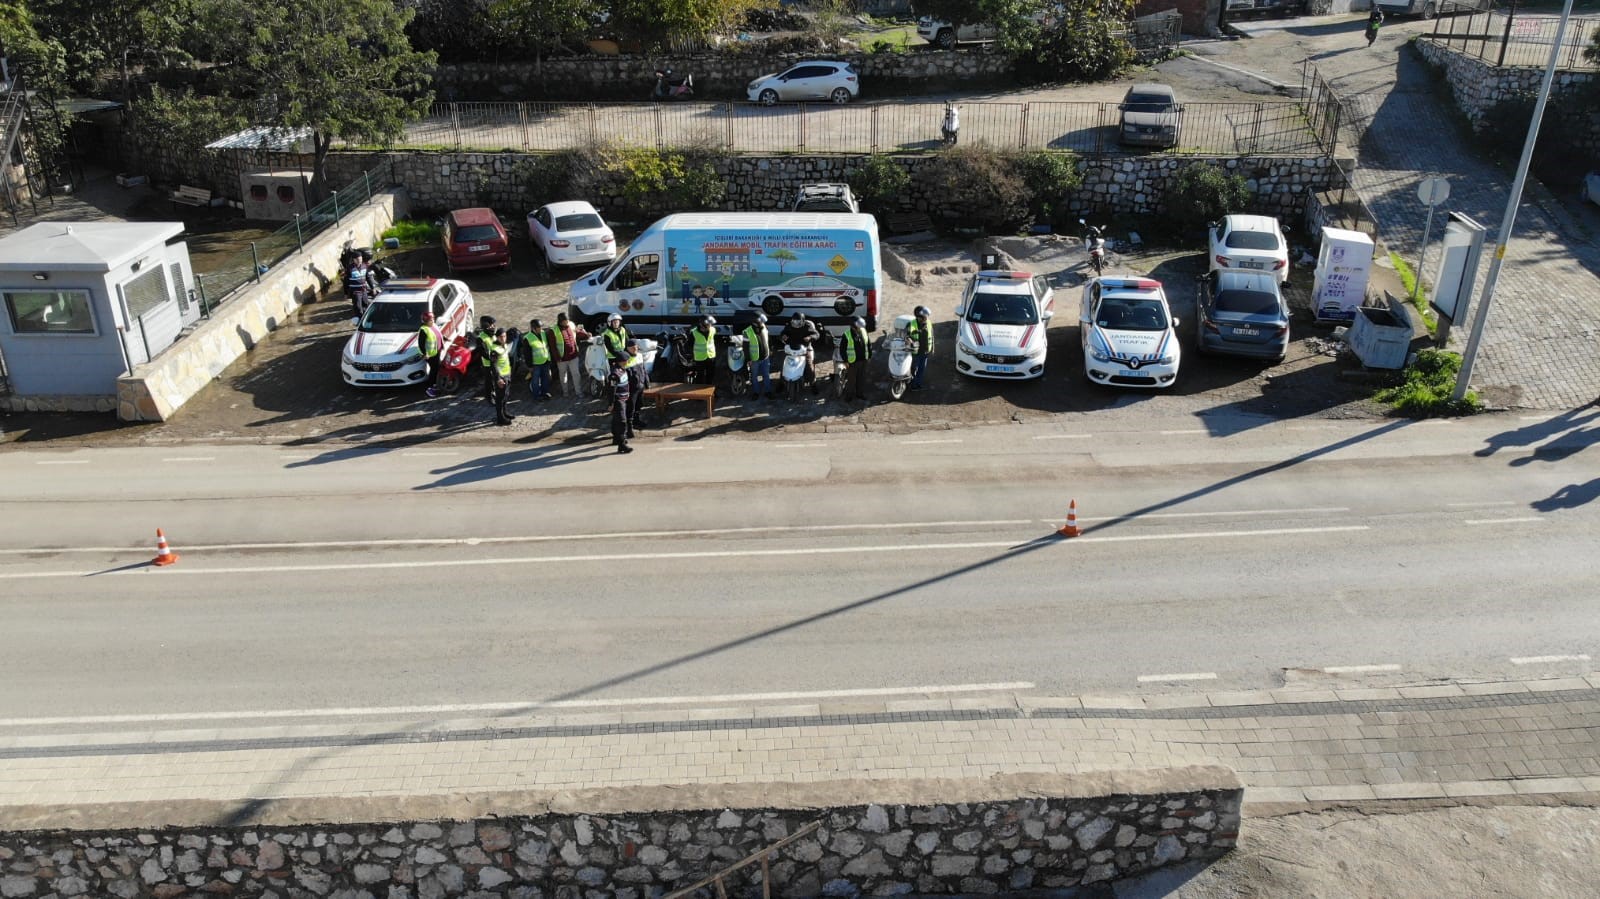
(1131, 185)
(1478, 86)
(1015, 832)
(717, 76)
(155, 390)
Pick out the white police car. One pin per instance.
(1129, 334)
(383, 352)
(1000, 325)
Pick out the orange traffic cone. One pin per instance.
(1070, 529)
(164, 555)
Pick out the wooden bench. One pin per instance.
(666, 393)
(192, 196)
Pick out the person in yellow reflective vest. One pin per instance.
(500, 376)
(429, 344)
(921, 331)
(758, 355)
(705, 350)
(483, 352)
(537, 341)
(856, 349)
(615, 338)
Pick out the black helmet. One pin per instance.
(859, 322)
(920, 312)
(761, 318)
(486, 323)
(798, 317)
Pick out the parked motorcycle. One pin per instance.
(675, 352)
(794, 369)
(1094, 239)
(671, 87)
(950, 128)
(596, 368)
(738, 371)
(453, 366)
(900, 356)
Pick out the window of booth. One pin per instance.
(258, 193)
(285, 194)
(50, 311)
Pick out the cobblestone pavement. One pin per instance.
(1303, 745)
(1540, 345)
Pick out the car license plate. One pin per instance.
(1248, 332)
(375, 376)
(1252, 265)
(585, 246)
(997, 368)
(1130, 373)
(478, 248)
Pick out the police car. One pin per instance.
(1000, 325)
(1129, 334)
(383, 352)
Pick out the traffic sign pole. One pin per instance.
(1432, 192)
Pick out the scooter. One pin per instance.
(453, 365)
(900, 356)
(671, 87)
(738, 371)
(951, 127)
(596, 367)
(1095, 240)
(794, 369)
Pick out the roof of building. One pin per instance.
(263, 137)
(82, 246)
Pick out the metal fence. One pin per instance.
(1507, 38)
(215, 286)
(1326, 112)
(1210, 129)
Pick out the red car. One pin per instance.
(473, 239)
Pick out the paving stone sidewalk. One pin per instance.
(1287, 746)
(1541, 345)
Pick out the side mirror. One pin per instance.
(1176, 322)
(355, 321)
(1048, 314)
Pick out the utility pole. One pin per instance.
(1464, 377)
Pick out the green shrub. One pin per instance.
(551, 177)
(413, 232)
(1203, 193)
(1426, 390)
(985, 182)
(1049, 175)
(656, 182)
(1084, 42)
(879, 183)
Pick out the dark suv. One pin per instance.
(826, 198)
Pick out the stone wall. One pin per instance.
(155, 390)
(1478, 86)
(717, 76)
(928, 837)
(1133, 185)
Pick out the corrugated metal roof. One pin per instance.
(263, 137)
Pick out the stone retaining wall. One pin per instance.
(1478, 86)
(156, 389)
(1132, 185)
(717, 76)
(876, 838)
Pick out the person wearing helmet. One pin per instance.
(429, 344)
(483, 352)
(705, 350)
(921, 331)
(856, 349)
(801, 331)
(758, 355)
(615, 339)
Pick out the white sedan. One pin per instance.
(383, 352)
(1129, 334)
(571, 233)
(1249, 243)
(812, 80)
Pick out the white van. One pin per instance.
(734, 264)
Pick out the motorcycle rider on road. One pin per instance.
(801, 331)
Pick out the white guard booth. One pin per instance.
(1343, 266)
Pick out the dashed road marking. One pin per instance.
(926, 442)
(1314, 510)
(1358, 669)
(432, 453)
(1503, 520)
(1480, 505)
(62, 462)
(1062, 436)
(1548, 660)
(680, 449)
(1193, 675)
(191, 459)
(1185, 431)
(797, 445)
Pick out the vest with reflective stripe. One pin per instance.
(485, 348)
(850, 347)
(616, 342)
(502, 361)
(916, 329)
(538, 346)
(705, 345)
(428, 341)
(752, 345)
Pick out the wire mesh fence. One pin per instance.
(1090, 128)
(224, 278)
(1509, 38)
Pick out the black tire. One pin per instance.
(449, 382)
(1430, 10)
(739, 383)
(794, 391)
(844, 306)
(946, 39)
(897, 389)
(840, 385)
(840, 96)
(772, 305)
(768, 97)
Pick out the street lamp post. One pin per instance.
(1464, 377)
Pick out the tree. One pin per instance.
(543, 25)
(782, 257)
(116, 34)
(342, 68)
(1083, 41)
(657, 22)
(41, 63)
(1016, 22)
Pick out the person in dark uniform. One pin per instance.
(483, 355)
(621, 390)
(638, 383)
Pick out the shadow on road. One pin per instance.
(1569, 497)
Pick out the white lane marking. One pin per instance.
(1358, 669)
(1185, 431)
(532, 538)
(1062, 436)
(1502, 520)
(797, 445)
(655, 557)
(432, 453)
(926, 442)
(680, 449)
(62, 462)
(1237, 512)
(191, 459)
(1548, 660)
(530, 704)
(1481, 505)
(1535, 418)
(1194, 675)
(1312, 427)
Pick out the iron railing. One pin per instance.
(1512, 38)
(1089, 128)
(225, 278)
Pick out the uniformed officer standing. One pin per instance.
(428, 343)
(857, 350)
(500, 377)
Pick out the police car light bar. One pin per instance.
(409, 283)
(1134, 283)
(1007, 276)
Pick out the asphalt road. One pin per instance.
(460, 578)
